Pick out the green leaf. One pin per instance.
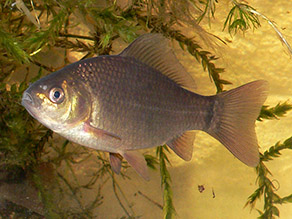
(287, 199)
(275, 211)
(279, 110)
(241, 18)
(13, 47)
(105, 39)
(35, 42)
(288, 142)
(151, 161)
(168, 207)
(22, 87)
(224, 81)
(209, 9)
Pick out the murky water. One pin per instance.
(227, 182)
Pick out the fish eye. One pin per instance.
(56, 95)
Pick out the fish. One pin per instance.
(142, 98)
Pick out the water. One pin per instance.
(227, 182)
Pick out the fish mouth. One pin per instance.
(29, 104)
(27, 100)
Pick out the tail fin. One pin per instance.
(233, 123)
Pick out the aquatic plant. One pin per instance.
(30, 28)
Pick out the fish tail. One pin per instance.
(233, 123)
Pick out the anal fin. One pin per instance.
(183, 145)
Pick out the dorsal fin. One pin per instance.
(153, 50)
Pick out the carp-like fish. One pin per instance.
(143, 98)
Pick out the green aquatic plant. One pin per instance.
(13, 47)
(168, 206)
(209, 10)
(241, 18)
(30, 28)
(267, 187)
(274, 112)
(22, 141)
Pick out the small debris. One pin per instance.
(201, 188)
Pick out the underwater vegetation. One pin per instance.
(32, 156)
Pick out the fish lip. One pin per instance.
(29, 104)
(27, 100)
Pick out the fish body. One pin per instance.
(143, 98)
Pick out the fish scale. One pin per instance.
(147, 100)
(143, 98)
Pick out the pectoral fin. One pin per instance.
(138, 162)
(116, 162)
(99, 133)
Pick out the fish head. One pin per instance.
(57, 101)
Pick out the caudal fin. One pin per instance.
(233, 124)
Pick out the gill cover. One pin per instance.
(77, 102)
